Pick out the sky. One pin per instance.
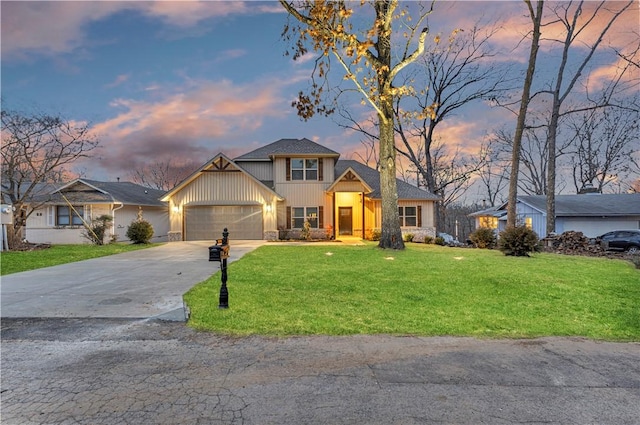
(185, 80)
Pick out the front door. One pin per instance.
(345, 222)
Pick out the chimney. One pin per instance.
(588, 189)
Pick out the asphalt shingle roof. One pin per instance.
(287, 147)
(597, 204)
(125, 192)
(372, 178)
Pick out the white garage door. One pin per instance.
(208, 222)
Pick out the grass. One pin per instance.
(20, 261)
(424, 290)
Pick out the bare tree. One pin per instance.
(36, 148)
(361, 43)
(605, 140)
(494, 173)
(164, 174)
(455, 73)
(574, 24)
(536, 20)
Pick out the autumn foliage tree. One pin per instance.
(358, 36)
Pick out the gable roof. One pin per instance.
(219, 162)
(372, 178)
(126, 193)
(130, 193)
(287, 147)
(585, 205)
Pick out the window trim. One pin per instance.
(304, 169)
(403, 216)
(74, 218)
(291, 218)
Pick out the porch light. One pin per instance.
(267, 208)
(176, 209)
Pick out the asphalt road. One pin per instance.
(96, 343)
(108, 371)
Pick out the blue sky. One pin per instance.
(186, 80)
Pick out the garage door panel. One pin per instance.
(208, 222)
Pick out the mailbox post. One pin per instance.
(220, 252)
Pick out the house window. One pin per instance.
(304, 169)
(489, 222)
(67, 216)
(300, 214)
(528, 221)
(408, 216)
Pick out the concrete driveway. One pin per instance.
(140, 284)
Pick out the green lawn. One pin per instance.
(20, 261)
(424, 290)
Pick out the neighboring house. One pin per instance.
(60, 219)
(270, 192)
(592, 214)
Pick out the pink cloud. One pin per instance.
(193, 124)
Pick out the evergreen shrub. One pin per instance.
(518, 241)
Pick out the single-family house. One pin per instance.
(592, 213)
(60, 218)
(270, 193)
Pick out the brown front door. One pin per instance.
(345, 221)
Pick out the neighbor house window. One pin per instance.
(300, 214)
(408, 216)
(304, 169)
(67, 216)
(489, 222)
(528, 221)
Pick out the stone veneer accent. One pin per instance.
(175, 236)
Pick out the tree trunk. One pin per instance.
(391, 235)
(551, 169)
(536, 18)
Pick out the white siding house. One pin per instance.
(61, 214)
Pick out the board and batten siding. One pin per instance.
(538, 219)
(349, 186)
(280, 170)
(221, 188)
(427, 211)
(260, 170)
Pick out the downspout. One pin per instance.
(363, 224)
(113, 215)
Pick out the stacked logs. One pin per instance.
(574, 243)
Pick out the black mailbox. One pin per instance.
(218, 252)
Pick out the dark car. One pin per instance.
(621, 240)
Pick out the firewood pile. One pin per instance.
(573, 243)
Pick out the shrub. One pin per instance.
(428, 239)
(375, 235)
(140, 231)
(483, 237)
(305, 233)
(96, 230)
(518, 241)
(408, 237)
(439, 241)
